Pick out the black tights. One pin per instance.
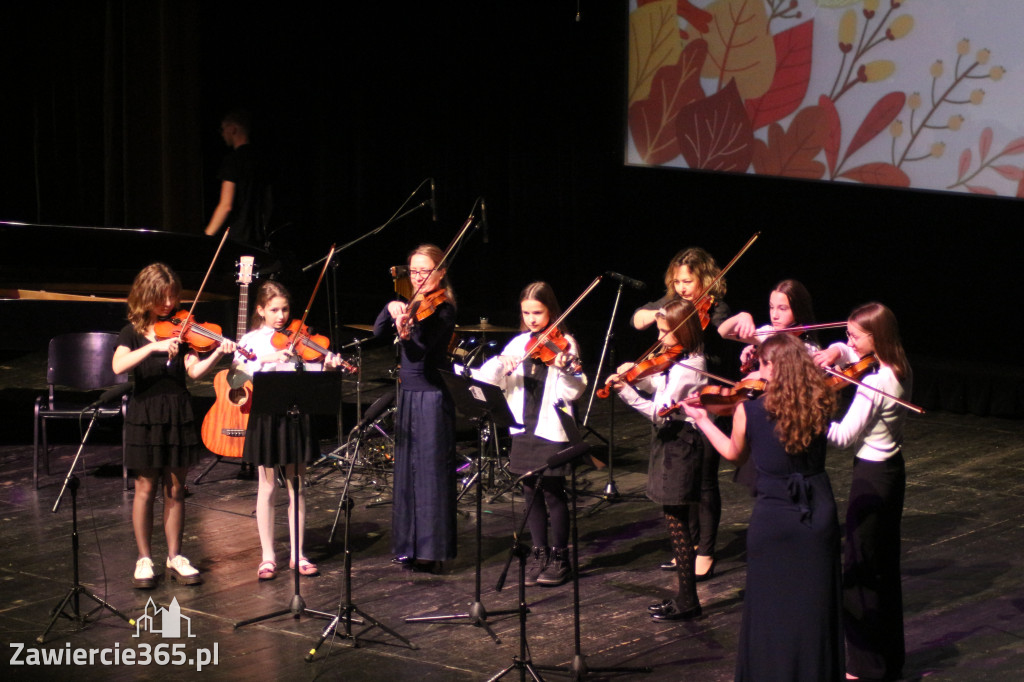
(552, 505)
(678, 518)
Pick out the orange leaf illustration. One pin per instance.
(980, 189)
(791, 153)
(792, 75)
(653, 43)
(1015, 147)
(877, 120)
(740, 47)
(878, 174)
(835, 132)
(652, 120)
(714, 133)
(965, 163)
(985, 143)
(1010, 172)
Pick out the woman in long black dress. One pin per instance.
(161, 438)
(791, 611)
(423, 529)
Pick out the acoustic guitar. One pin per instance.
(223, 429)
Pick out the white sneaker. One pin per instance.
(144, 578)
(182, 571)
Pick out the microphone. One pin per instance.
(483, 220)
(374, 411)
(568, 454)
(110, 395)
(628, 281)
(433, 200)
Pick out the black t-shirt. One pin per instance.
(250, 210)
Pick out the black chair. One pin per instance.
(82, 362)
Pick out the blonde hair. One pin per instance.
(797, 396)
(702, 265)
(436, 255)
(148, 291)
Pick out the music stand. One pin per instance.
(293, 395)
(481, 403)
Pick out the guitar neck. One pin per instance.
(241, 322)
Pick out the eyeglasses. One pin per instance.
(420, 273)
(856, 337)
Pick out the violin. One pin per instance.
(720, 400)
(309, 347)
(202, 338)
(653, 365)
(423, 306)
(853, 370)
(548, 349)
(704, 310)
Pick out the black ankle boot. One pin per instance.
(557, 570)
(538, 562)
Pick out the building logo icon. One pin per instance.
(167, 622)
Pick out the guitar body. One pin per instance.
(224, 425)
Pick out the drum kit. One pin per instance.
(471, 346)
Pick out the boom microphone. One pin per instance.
(433, 201)
(628, 281)
(483, 220)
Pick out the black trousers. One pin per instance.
(872, 589)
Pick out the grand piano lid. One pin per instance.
(103, 261)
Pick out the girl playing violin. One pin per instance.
(423, 516)
(789, 305)
(688, 275)
(161, 438)
(269, 438)
(674, 472)
(872, 592)
(791, 628)
(532, 389)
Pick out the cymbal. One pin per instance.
(484, 327)
(361, 327)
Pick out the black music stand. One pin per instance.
(293, 395)
(482, 403)
(71, 483)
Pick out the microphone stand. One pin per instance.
(77, 588)
(611, 492)
(334, 319)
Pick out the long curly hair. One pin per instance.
(797, 396)
(148, 290)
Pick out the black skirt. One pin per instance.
(160, 431)
(272, 440)
(673, 475)
(530, 452)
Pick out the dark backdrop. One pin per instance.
(114, 106)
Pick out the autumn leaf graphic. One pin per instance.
(715, 134)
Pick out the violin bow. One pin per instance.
(302, 323)
(804, 328)
(898, 401)
(202, 286)
(561, 318)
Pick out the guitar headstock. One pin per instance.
(247, 270)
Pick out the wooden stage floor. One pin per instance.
(963, 540)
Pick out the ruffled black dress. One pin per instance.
(160, 426)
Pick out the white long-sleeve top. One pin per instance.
(559, 385)
(259, 342)
(667, 387)
(873, 420)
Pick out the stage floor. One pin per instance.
(963, 554)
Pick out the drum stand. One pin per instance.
(77, 588)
